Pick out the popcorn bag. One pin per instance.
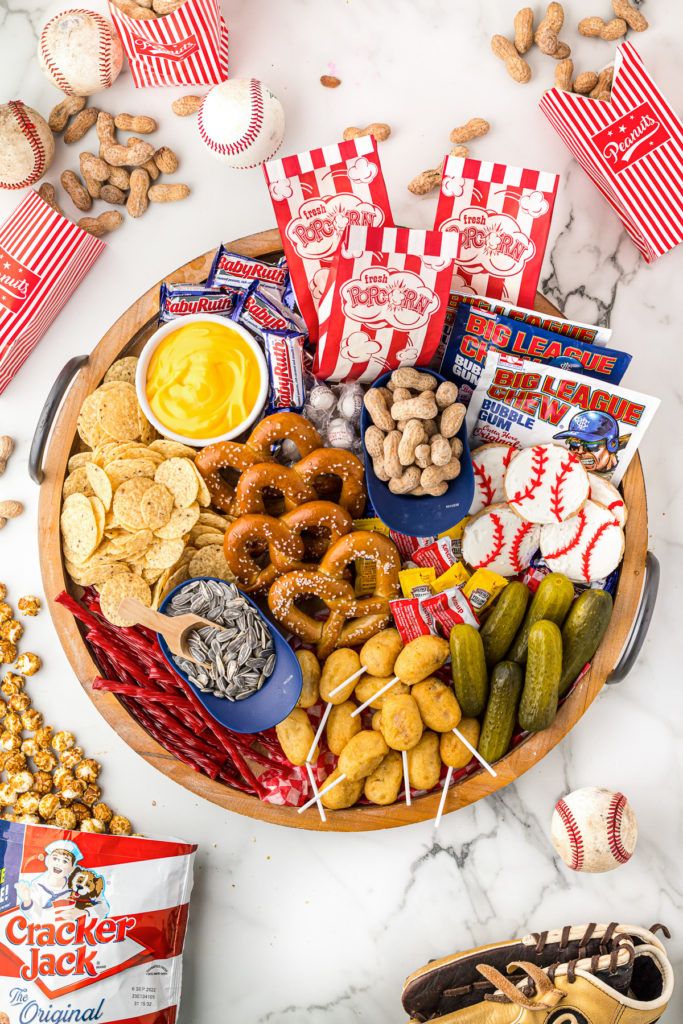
(43, 259)
(91, 926)
(187, 47)
(385, 302)
(501, 216)
(316, 195)
(631, 148)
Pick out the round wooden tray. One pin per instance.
(127, 334)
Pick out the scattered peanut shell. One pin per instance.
(137, 197)
(524, 29)
(76, 190)
(168, 193)
(135, 123)
(48, 193)
(377, 129)
(166, 160)
(186, 105)
(330, 81)
(112, 194)
(81, 125)
(59, 115)
(473, 129)
(102, 225)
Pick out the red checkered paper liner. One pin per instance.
(631, 148)
(43, 258)
(187, 47)
(385, 302)
(315, 196)
(501, 216)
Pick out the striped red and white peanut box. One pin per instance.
(187, 47)
(501, 216)
(385, 302)
(632, 149)
(43, 259)
(315, 196)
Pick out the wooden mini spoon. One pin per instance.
(173, 628)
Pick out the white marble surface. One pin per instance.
(293, 927)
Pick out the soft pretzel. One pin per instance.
(320, 524)
(272, 477)
(224, 455)
(284, 426)
(248, 537)
(335, 462)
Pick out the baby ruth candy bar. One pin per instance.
(177, 300)
(477, 331)
(236, 271)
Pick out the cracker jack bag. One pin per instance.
(315, 196)
(91, 926)
(385, 302)
(476, 331)
(501, 216)
(523, 403)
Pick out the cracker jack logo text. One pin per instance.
(80, 940)
(631, 138)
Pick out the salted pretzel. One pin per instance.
(345, 466)
(250, 536)
(351, 620)
(268, 478)
(231, 455)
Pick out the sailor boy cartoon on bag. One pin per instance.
(63, 891)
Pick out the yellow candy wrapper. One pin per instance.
(417, 582)
(482, 588)
(456, 576)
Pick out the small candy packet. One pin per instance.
(524, 403)
(285, 358)
(260, 309)
(477, 331)
(237, 271)
(184, 299)
(385, 302)
(501, 216)
(316, 195)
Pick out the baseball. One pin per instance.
(80, 52)
(27, 145)
(241, 123)
(594, 829)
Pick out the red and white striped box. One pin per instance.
(43, 259)
(501, 216)
(385, 302)
(187, 47)
(631, 148)
(315, 196)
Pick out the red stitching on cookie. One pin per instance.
(498, 539)
(255, 125)
(556, 502)
(507, 459)
(33, 138)
(573, 834)
(590, 548)
(521, 533)
(571, 544)
(539, 457)
(485, 482)
(614, 816)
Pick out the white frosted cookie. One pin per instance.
(497, 539)
(489, 464)
(546, 484)
(588, 547)
(605, 493)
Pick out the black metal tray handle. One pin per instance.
(44, 425)
(642, 620)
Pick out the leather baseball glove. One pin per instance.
(581, 974)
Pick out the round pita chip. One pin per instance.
(172, 449)
(77, 483)
(113, 591)
(147, 431)
(126, 505)
(181, 479)
(181, 522)
(130, 545)
(100, 483)
(126, 469)
(78, 460)
(100, 515)
(117, 411)
(123, 369)
(210, 561)
(156, 506)
(79, 528)
(163, 554)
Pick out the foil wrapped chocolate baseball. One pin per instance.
(27, 145)
(241, 122)
(80, 52)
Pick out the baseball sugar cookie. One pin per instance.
(497, 539)
(80, 52)
(241, 122)
(594, 829)
(489, 464)
(605, 493)
(546, 484)
(27, 145)
(588, 547)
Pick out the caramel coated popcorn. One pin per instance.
(29, 605)
(28, 663)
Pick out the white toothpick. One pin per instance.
(361, 670)
(406, 776)
(319, 732)
(368, 702)
(321, 793)
(475, 753)
(316, 794)
(442, 801)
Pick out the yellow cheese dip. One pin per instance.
(203, 380)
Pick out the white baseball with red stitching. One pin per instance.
(594, 829)
(605, 493)
(588, 547)
(241, 122)
(489, 463)
(497, 539)
(546, 484)
(27, 145)
(80, 52)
